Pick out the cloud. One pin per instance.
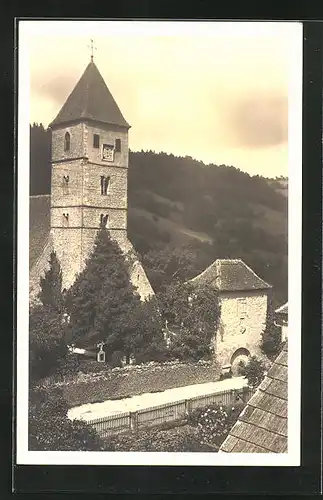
(57, 89)
(259, 121)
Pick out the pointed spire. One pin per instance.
(92, 100)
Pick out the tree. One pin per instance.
(103, 303)
(51, 430)
(271, 337)
(253, 371)
(40, 159)
(170, 263)
(193, 313)
(47, 347)
(147, 341)
(51, 285)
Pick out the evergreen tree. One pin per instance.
(40, 159)
(50, 293)
(103, 303)
(147, 341)
(47, 348)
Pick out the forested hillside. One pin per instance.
(184, 214)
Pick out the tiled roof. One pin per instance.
(231, 275)
(282, 309)
(262, 425)
(90, 99)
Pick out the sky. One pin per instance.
(218, 92)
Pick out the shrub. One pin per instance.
(177, 439)
(47, 348)
(51, 430)
(253, 371)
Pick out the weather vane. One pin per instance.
(92, 47)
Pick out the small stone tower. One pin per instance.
(89, 172)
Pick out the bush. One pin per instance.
(51, 430)
(47, 348)
(214, 422)
(177, 439)
(253, 371)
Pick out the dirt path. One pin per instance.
(94, 411)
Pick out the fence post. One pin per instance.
(246, 393)
(188, 406)
(133, 420)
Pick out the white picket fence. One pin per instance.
(168, 412)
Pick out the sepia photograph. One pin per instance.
(159, 243)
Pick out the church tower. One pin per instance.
(89, 172)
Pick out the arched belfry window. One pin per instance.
(67, 142)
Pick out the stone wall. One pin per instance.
(108, 135)
(68, 247)
(243, 319)
(77, 144)
(116, 196)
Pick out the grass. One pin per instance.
(110, 384)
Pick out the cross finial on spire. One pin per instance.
(92, 49)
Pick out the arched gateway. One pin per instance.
(241, 354)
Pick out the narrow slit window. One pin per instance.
(66, 180)
(67, 142)
(96, 141)
(118, 145)
(65, 219)
(105, 184)
(104, 220)
(242, 308)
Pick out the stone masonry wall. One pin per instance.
(77, 146)
(230, 336)
(116, 196)
(68, 247)
(108, 134)
(71, 195)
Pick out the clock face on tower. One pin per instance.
(107, 152)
